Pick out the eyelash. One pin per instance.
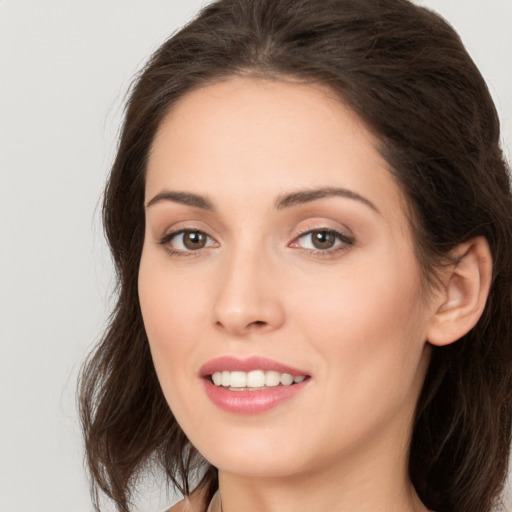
(342, 243)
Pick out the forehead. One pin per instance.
(270, 112)
(245, 137)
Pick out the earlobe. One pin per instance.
(463, 294)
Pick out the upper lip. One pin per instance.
(233, 364)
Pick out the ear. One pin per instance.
(463, 293)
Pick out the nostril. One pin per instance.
(239, 328)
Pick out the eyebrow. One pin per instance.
(308, 195)
(282, 202)
(187, 198)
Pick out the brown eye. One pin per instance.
(323, 239)
(187, 240)
(194, 240)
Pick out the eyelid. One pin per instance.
(172, 234)
(165, 232)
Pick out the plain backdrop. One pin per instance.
(65, 66)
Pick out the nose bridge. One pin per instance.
(247, 297)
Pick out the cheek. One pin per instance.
(368, 321)
(366, 333)
(170, 303)
(170, 311)
(382, 294)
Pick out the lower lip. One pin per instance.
(251, 402)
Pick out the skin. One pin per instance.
(354, 316)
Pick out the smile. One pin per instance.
(251, 386)
(254, 380)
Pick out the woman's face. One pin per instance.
(277, 250)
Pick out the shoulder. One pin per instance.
(178, 507)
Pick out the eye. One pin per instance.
(322, 240)
(187, 240)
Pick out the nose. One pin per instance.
(248, 298)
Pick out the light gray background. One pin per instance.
(65, 66)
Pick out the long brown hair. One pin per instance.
(405, 72)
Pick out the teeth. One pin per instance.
(238, 380)
(272, 379)
(286, 379)
(256, 379)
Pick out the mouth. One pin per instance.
(251, 386)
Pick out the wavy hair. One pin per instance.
(405, 72)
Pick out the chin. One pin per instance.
(261, 452)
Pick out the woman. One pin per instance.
(311, 220)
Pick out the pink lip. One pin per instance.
(232, 364)
(249, 402)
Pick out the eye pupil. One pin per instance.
(323, 239)
(194, 240)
